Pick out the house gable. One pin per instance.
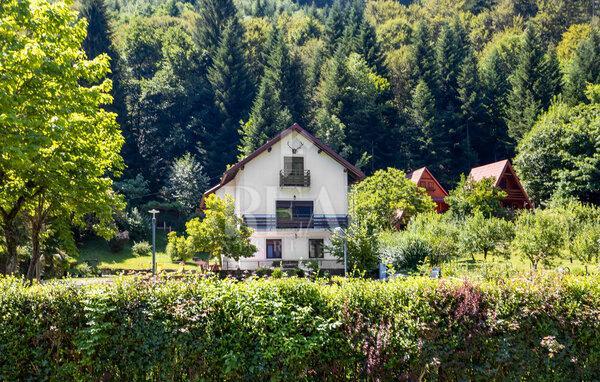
(425, 179)
(294, 135)
(507, 180)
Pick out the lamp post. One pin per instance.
(153, 212)
(340, 231)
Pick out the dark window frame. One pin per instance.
(273, 242)
(297, 217)
(321, 245)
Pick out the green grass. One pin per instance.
(514, 264)
(97, 252)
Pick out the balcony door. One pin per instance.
(293, 165)
(294, 213)
(273, 248)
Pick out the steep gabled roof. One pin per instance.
(492, 170)
(496, 170)
(417, 174)
(232, 171)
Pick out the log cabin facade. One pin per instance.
(424, 178)
(505, 179)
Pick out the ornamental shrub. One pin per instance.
(543, 328)
(143, 248)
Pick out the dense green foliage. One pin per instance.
(59, 146)
(400, 84)
(564, 231)
(220, 233)
(560, 156)
(471, 196)
(540, 329)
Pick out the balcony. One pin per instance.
(271, 222)
(294, 178)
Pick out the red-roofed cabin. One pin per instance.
(507, 180)
(423, 178)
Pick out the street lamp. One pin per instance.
(154, 212)
(340, 231)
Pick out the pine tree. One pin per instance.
(494, 79)
(551, 82)
(524, 101)
(334, 25)
(450, 51)
(370, 49)
(212, 16)
(232, 90)
(270, 111)
(424, 55)
(584, 68)
(97, 41)
(475, 134)
(431, 142)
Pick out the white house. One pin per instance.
(293, 191)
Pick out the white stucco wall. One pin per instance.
(256, 190)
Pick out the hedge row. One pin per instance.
(545, 329)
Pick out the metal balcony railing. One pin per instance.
(294, 178)
(271, 222)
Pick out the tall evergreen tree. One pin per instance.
(370, 49)
(232, 89)
(494, 76)
(474, 130)
(450, 51)
(524, 100)
(551, 75)
(212, 16)
(430, 140)
(334, 25)
(271, 108)
(97, 41)
(424, 55)
(584, 68)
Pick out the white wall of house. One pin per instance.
(256, 189)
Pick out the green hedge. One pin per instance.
(293, 329)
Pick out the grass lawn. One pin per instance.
(97, 252)
(512, 264)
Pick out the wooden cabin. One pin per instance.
(507, 180)
(423, 178)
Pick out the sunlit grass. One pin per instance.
(96, 252)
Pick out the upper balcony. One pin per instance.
(294, 178)
(273, 222)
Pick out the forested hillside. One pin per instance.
(444, 83)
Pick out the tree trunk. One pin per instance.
(8, 262)
(485, 255)
(35, 254)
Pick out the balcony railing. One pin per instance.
(270, 222)
(294, 178)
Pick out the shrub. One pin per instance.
(537, 329)
(405, 251)
(262, 271)
(82, 270)
(143, 248)
(277, 273)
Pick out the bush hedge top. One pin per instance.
(543, 328)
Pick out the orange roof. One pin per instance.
(416, 175)
(492, 170)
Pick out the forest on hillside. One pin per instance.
(447, 84)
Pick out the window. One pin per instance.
(294, 214)
(293, 165)
(274, 249)
(315, 248)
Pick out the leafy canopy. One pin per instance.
(220, 233)
(57, 138)
(379, 199)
